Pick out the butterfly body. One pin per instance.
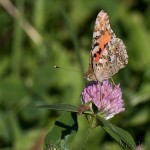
(108, 53)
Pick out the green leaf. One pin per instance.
(64, 107)
(121, 136)
(63, 132)
(61, 107)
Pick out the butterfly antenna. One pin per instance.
(57, 67)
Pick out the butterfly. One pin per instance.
(108, 53)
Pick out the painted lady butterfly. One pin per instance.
(108, 54)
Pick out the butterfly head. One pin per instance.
(90, 76)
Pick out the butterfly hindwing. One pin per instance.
(108, 54)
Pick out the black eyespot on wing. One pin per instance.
(105, 45)
(99, 51)
(120, 58)
(95, 55)
(96, 44)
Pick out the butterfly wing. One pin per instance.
(108, 52)
(113, 59)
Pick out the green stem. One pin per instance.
(38, 22)
(17, 42)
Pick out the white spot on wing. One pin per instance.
(105, 52)
(96, 34)
(95, 49)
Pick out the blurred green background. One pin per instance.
(36, 35)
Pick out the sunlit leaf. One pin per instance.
(63, 132)
(60, 107)
(120, 135)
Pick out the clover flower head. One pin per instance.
(105, 96)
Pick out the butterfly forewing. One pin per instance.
(108, 54)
